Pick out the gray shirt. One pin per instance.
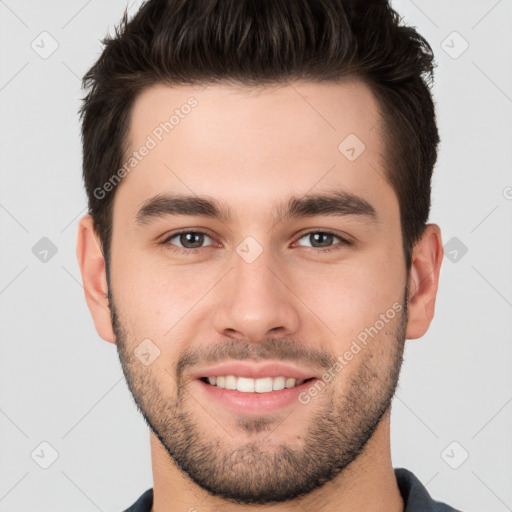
(416, 497)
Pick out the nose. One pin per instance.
(256, 301)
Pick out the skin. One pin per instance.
(252, 149)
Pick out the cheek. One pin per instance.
(157, 299)
(349, 297)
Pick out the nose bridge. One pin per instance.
(255, 281)
(256, 300)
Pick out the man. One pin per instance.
(257, 246)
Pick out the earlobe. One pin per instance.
(423, 281)
(92, 268)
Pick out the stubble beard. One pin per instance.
(259, 471)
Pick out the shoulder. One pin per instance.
(415, 495)
(143, 504)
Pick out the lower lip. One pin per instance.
(254, 403)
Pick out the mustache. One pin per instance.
(280, 349)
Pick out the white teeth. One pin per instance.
(279, 383)
(230, 382)
(290, 383)
(246, 385)
(263, 385)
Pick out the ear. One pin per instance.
(427, 256)
(94, 278)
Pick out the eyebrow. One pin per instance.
(338, 203)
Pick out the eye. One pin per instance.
(187, 241)
(190, 242)
(323, 240)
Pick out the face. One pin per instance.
(258, 284)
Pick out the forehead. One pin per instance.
(253, 147)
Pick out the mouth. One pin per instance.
(246, 388)
(251, 396)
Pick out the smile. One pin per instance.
(248, 385)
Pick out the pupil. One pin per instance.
(327, 237)
(186, 239)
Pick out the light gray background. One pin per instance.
(61, 384)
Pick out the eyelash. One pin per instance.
(189, 252)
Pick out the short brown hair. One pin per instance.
(260, 42)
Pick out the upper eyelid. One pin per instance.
(201, 231)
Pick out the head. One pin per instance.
(258, 178)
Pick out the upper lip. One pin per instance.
(254, 371)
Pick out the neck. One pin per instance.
(368, 483)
